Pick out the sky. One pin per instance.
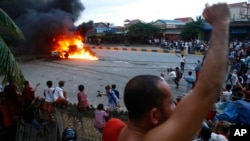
(117, 11)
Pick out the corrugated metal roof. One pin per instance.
(185, 19)
(236, 4)
(175, 22)
(172, 32)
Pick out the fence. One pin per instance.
(81, 121)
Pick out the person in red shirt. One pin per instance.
(112, 129)
(83, 103)
(28, 92)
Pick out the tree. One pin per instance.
(142, 31)
(9, 67)
(192, 30)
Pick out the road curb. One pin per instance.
(143, 49)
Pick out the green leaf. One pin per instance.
(9, 67)
(8, 26)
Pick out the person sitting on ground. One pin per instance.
(60, 96)
(83, 103)
(100, 115)
(152, 115)
(28, 92)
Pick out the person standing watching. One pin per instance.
(197, 69)
(178, 77)
(113, 101)
(182, 61)
(115, 90)
(48, 100)
(190, 81)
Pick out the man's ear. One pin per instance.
(155, 116)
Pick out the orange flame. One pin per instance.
(73, 47)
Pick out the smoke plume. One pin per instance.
(42, 20)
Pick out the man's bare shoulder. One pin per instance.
(128, 134)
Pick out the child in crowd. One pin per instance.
(83, 103)
(100, 117)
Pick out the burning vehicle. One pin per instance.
(72, 47)
(49, 28)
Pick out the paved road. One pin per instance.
(113, 67)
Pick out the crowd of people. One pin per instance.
(23, 103)
(207, 110)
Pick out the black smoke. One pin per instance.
(41, 21)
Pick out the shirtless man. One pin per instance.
(149, 101)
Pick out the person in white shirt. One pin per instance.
(48, 100)
(60, 96)
(162, 76)
(182, 61)
(226, 94)
(234, 78)
(172, 74)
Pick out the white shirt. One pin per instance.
(172, 74)
(162, 78)
(58, 93)
(49, 94)
(234, 79)
(226, 95)
(217, 137)
(183, 59)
